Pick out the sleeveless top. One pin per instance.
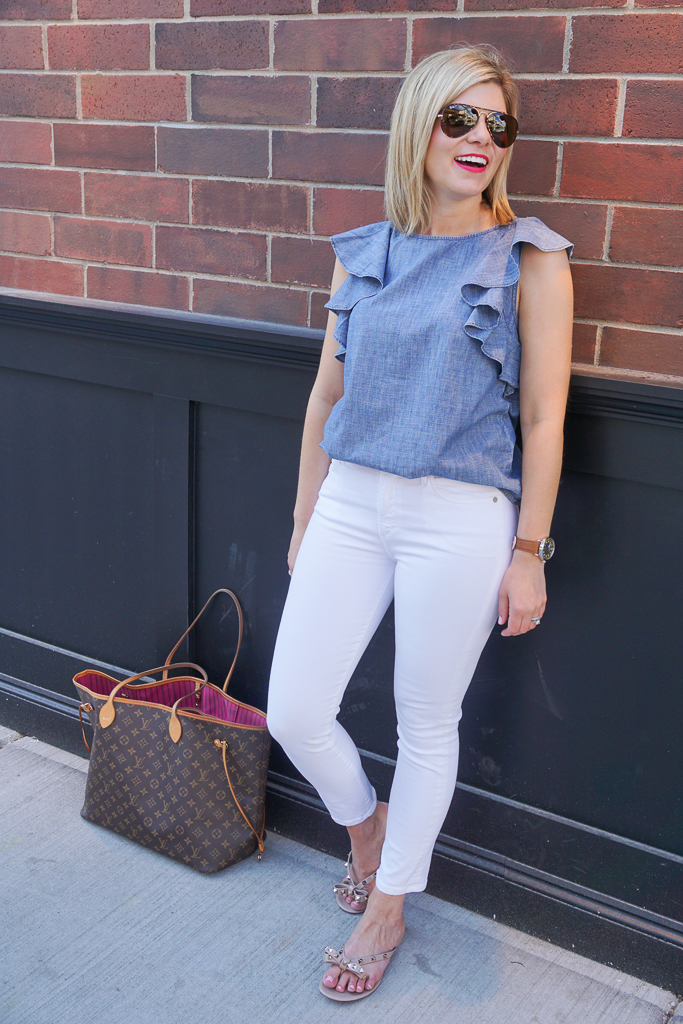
(427, 332)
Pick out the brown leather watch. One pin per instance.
(543, 548)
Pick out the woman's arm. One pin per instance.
(314, 463)
(545, 328)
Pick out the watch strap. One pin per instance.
(532, 546)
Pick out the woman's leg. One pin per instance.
(341, 586)
(452, 547)
(446, 603)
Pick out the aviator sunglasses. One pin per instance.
(457, 119)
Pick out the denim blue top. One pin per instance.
(427, 332)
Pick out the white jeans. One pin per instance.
(440, 549)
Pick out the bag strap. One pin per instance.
(240, 618)
(260, 837)
(108, 711)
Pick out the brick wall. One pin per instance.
(196, 154)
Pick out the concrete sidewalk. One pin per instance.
(95, 928)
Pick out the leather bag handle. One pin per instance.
(240, 618)
(108, 711)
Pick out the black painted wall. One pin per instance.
(150, 458)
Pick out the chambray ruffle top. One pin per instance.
(427, 331)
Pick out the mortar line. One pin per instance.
(566, 49)
(43, 36)
(558, 170)
(608, 232)
(152, 45)
(598, 345)
(314, 99)
(621, 106)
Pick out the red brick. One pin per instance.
(591, 170)
(239, 204)
(252, 99)
(528, 44)
(21, 46)
(120, 147)
(627, 295)
(633, 43)
(230, 152)
(340, 209)
(37, 95)
(533, 168)
(356, 102)
(201, 8)
(140, 287)
(98, 47)
(205, 251)
(647, 236)
(36, 10)
(109, 10)
(658, 3)
(521, 5)
(41, 275)
(103, 241)
(582, 223)
(318, 312)
(653, 110)
(382, 6)
(642, 350)
(134, 97)
(344, 45)
(40, 189)
(583, 343)
(301, 261)
(329, 156)
(241, 45)
(250, 302)
(139, 195)
(25, 142)
(568, 106)
(25, 232)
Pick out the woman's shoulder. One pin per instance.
(534, 231)
(363, 250)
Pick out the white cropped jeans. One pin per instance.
(439, 548)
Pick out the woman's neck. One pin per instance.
(463, 218)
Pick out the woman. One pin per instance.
(448, 323)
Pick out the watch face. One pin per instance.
(547, 549)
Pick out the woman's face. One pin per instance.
(452, 177)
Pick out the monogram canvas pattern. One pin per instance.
(174, 797)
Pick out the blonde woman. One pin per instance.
(448, 323)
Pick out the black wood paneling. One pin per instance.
(149, 458)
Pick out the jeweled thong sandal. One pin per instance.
(338, 959)
(357, 890)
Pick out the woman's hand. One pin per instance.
(295, 544)
(522, 594)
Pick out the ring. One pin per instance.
(537, 621)
(289, 571)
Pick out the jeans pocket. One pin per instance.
(463, 493)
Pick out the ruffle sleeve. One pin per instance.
(363, 252)
(491, 290)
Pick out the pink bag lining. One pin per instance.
(218, 705)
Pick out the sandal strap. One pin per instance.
(338, 958)
(355, 889)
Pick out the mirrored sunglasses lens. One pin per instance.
(457, 120)
(503, 128)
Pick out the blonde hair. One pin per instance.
(432, 84)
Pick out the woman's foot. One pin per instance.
(380, 929)
(367, 840)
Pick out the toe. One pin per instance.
(331, 978)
